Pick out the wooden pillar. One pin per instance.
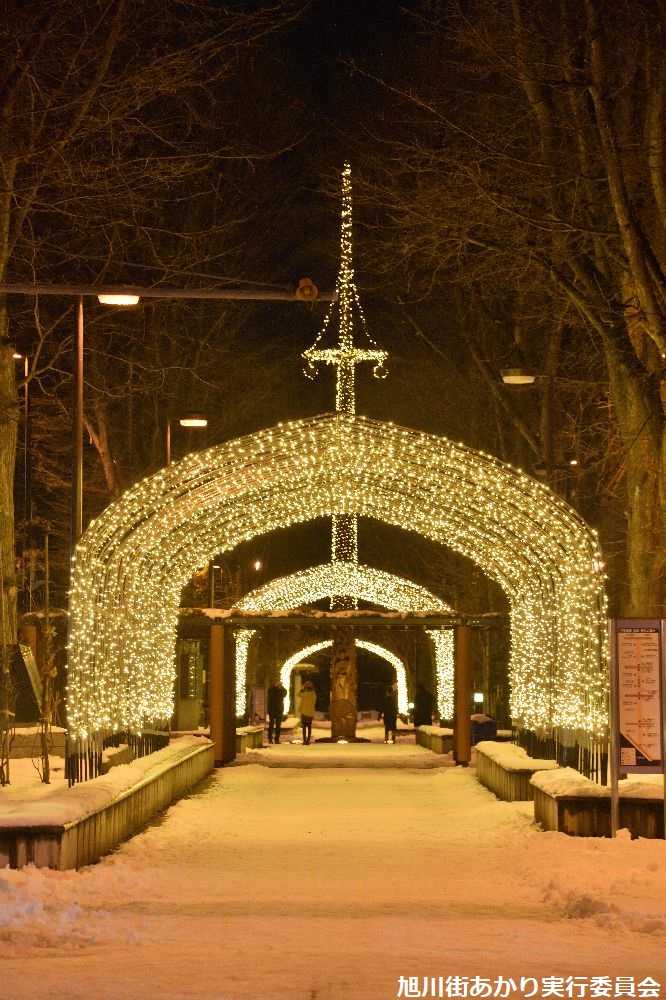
(222, 691)
(343, 685)
(462, 725)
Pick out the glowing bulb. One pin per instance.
(117, 299)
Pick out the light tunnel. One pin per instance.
(363, 583)
(133, 560)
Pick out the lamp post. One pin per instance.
(130, 295)
(190, 420)
(528, 377)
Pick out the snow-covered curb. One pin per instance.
(67, 806)
(568, 783)
(513, 758)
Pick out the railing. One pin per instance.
(83, 757)
(570, 748)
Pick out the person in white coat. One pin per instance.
(307, 710)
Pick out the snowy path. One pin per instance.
(328, 885)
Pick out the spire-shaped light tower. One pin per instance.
(345, 356)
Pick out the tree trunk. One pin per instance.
(343, 685)
(640, 415)
(9, 415)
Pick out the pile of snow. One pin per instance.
(569, 783)
(109, 753)
(65, 805)
(435, 730)
(513, 758)
(244, 730)
(26, 782)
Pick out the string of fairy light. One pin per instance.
(345, 357)
(363, 583)
(132, 562)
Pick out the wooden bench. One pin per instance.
(506, 770)
(435, 738)
(570, 803)
(77, 826)
(249, 738)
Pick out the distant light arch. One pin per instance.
(364, 583)
(372, 647)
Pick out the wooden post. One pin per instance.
(462, 726)
(343, 685)
(222, 693)
(228, 696)
(215, 665)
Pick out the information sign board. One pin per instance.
(637, 646)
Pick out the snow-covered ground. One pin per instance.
(329, 884)
(404, 753)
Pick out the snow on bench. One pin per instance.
(249, 737)
(436, 738)
(76, 826)
(568, 802)
(506, 769)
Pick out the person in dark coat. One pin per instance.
(389, 713)
(423, 704)
(275, 704)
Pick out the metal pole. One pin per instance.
(167, 443)
(27, 503)
(77, 431)
(168, 292)
(27, 477)
(614, 730)
(211, 584)
(663, 712)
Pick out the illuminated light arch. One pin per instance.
(353, 579)
(363, 583)
(132, 562)
(371, 647)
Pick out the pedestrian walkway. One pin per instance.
(403, 754)
(332, 884)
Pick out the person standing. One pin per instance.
(275, 704)
(307, 710)
(423, 706)
(390, 713)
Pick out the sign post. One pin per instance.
(638, 703)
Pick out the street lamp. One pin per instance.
(189, 420)
(130, 295)
(518, 376)
(114, 299)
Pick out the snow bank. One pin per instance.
(569, 783)
(513, 758)
(69, 805)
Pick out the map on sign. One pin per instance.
(639, 696)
